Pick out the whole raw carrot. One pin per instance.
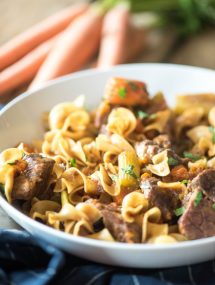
(114, 37)
(78, 43)
(26, 68)
(26, 41)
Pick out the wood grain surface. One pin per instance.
(163, 46)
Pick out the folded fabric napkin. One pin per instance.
(27, 261)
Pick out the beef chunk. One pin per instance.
(156, 104)
(163, 141)
(34, 179)
(147, 149)
(205, 182)
(113, 221)
(167, 200)
(198, 221)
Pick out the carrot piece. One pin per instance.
(179, 173)
(78, 43)
(120, 91)
(19, 46)
(114, 37)
(25, 69)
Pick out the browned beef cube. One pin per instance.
(34, 179)
(163, 141)
(205, 182)
(113, 221)
(167, 200)
(147, 149)
(198, 221)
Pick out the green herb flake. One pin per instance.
(72, 162)
(153, 116)
(113, 177)
(2, 187)
(193, 157)
(12, 162)
(213, 206)
(212, 131)
(122, 92)
(185, 181)
(142, 115)
(172, 161)
(133, 86)
(130, 171)
(180, 211)
(198, 198)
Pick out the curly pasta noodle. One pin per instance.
(121, 173)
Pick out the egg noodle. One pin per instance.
(121, 172)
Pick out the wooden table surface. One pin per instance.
(163, 46)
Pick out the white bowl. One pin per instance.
(20, 121)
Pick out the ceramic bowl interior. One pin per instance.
(21, 121)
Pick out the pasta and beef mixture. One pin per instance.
(133, 170)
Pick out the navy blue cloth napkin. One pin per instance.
(27, 261)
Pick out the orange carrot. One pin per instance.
(78, 43)
(114, 37)
(26, 41)
(121, 91)
(26, 68)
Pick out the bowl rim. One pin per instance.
(94, 71)
(84, 240)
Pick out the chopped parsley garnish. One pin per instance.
(86, 159)
(122, 92)
(72, 162)
(130, 171)
(212, 131)
(12, 162)
(185, 181)
(113, 177)
(213, 206)
(193, 157)
(153, 116)
(133, 86)
(2, 187)
(172, 161)
(180, 211)
(142, 115)
(198, 198)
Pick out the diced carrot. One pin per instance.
(19, 46)
(25, 69)
(145, 175)
(179, 173)
(120, 91)
(78, 43)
